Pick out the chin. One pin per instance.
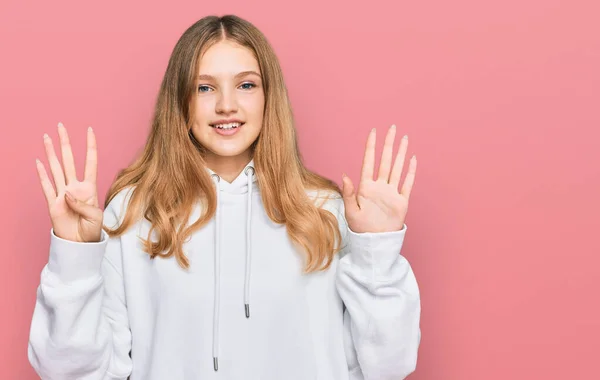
(227, 152)
(227, 148)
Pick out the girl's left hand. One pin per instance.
(377, 206)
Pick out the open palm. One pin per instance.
(377, 206)
(77, 219)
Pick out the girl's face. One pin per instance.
(229, 91)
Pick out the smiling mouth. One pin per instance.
(227, 127)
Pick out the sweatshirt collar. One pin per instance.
(240, 184)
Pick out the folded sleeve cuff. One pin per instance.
(71, 261)
(376, 251)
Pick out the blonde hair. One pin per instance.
(170, 176)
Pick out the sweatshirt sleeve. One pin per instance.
(80, 328)
(381, 304)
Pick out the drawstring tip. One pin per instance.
(247, 306)
(216, 364)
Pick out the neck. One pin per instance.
(228, 168)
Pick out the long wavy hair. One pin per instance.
(170, 175)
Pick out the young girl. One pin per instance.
(218, 254)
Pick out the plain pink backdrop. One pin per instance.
(501, 104)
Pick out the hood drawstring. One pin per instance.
(249, 172)
(217, 275)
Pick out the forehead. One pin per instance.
(227, 58)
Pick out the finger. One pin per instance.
(369, 158)
(350, 201)
(91, 158)
(386, 155)
(47, 187)
(410, 177)
(87, 211)
(55, 167)
(67, 154)
(399, 162)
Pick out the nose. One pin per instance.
(227, 102)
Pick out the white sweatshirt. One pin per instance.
(107, 311)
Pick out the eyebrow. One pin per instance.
(238, 75)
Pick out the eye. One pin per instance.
(201, 87)
(249, 84)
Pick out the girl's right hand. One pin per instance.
(73, 205)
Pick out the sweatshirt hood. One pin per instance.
(243, 184)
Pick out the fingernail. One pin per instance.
(405, 137)
(46, 136)
(37, 161)
(60, 124)
(90, 129)
(393, 126)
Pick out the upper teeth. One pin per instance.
(227, 126)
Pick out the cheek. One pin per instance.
(255, 107)
(204, 111)
(202, 115)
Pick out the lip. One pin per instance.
(226, 121)
(227, 132)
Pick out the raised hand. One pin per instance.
(73, 204)
(377, 206)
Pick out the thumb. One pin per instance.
(86, 211)
(350, 202)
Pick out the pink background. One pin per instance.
(501, 104)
